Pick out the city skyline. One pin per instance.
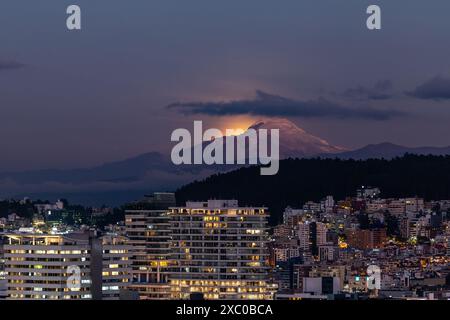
(224, 158)
(362, 247)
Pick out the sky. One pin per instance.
(138, 70)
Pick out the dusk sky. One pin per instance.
(80, 98)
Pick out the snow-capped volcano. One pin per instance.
(151, 171)
(294, 141)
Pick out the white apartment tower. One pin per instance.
(148, 229)
(69, 266)
(37, 266)
(304, 236)
(116, 266)
(219, 251)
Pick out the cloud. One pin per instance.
(382, 90)
(272, 105)
(10, 65)
(437, 88)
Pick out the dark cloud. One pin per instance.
(437, 88)
(382, 90)
(272, 105)
(10, 65)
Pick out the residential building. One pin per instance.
(367, 192)
(71, 266)
(220, 251)
(40, 266)
(321, 285)
(366, 239)
(414, 205)
(116, 266)
(148, 230)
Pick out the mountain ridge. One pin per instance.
(301, 180)
(154, 171)
(388, 150)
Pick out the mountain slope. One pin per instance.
(388, 150)
(154, 171)
(301, 180)
(294, 141)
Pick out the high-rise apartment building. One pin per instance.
(311, 235)
(321, 233)
(148, 229)
(69, 266)
(328, 204)
(116, 266)
(366, 239)
(328, 252)
(39, 266)
(220, 251)
(304, 236)
(292, 217)
(3, 281)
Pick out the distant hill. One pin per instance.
(300, 180)
(111, 183)
(388, 150)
